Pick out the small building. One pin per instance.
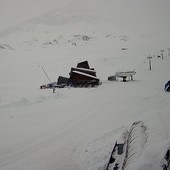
(124, 75)
(167, 86)
(112, 78)
(80, 76)
(83, 75)
(62, 81)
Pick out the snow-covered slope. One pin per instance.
(76, 128)
(94, 18)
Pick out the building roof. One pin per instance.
(85, 74)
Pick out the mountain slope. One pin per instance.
(95, 18)
(76, 128)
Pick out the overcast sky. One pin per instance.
(150, 13)
(13, 12)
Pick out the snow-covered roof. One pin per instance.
(83, 69)
(85, 74)
(125, 73)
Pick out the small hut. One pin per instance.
(83, 75)
(62, 81)
(80, 76)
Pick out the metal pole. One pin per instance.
(150, 65)
(45, 74)
(162, 54)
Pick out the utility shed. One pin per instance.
(62, 81)
(83, 76)
(124, 75)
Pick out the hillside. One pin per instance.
(76, 128)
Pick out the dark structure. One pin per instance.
(83, 64)
(117, 150)
(49, 85)
(83, 76)
(80, 76)
(167, 86)
(62, 81)
(112, 78)
(166, 160)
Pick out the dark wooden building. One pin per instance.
(80, 76)
(83, 75)
(62, 81)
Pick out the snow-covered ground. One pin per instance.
(76, 128)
